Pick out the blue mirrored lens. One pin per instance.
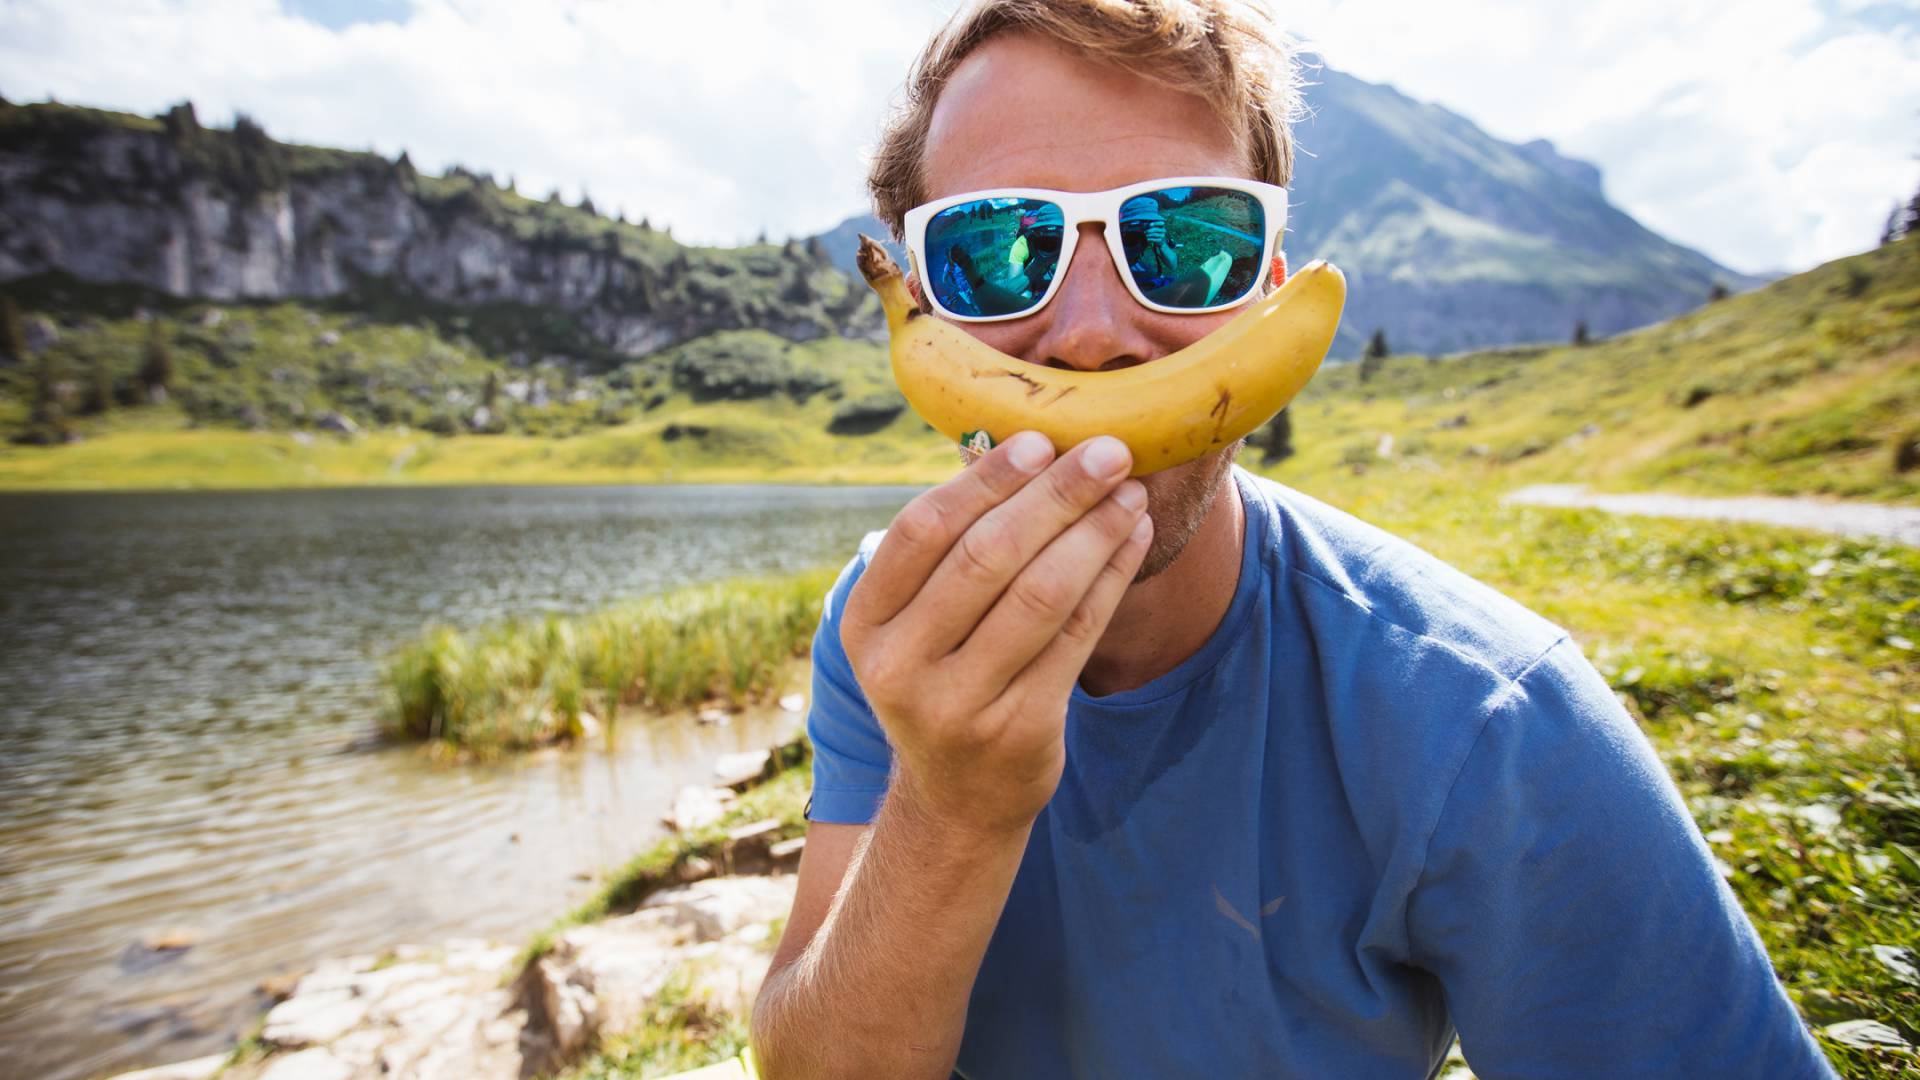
(993, 256)
(1193, 247)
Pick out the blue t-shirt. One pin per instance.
(1381, 801)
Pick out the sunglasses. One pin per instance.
(1186, 245)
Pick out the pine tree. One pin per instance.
(100, 387)
(1891, 231)
(1580, 335)
(48, 422)
(490, 393)
(586, 203)
(13, 339)
(1718, 293)
(1274, 440)
(156, 371)
(1375, 356)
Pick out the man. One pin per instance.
(1197, 776)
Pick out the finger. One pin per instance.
(1063, 658)
(1035, 608)
(986, 558)
(926, 528)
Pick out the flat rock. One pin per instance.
(736, 770)
(696, 806)
(314, 1019)
(315, 1064)
(197, 1069)
(717, 907)
(603, 976)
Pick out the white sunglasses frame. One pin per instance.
(1080, 207)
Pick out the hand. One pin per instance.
(977, 613)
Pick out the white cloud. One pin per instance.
(1767, 133)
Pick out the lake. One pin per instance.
(188, 691)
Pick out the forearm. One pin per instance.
(882, 988)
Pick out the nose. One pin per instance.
(1091, 323)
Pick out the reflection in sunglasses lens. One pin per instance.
(1193, 247)
(993, 256)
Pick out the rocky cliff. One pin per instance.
(170, 206)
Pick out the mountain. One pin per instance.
(843, 241)
(173, 209)
(1452, 239)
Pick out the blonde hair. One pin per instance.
(1227, 51)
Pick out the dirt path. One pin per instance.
(1898, 523)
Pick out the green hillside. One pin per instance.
(1809, 385)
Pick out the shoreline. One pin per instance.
(682, 932)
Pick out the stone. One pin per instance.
(197, 1069)
(787, 849)
(1865, 1035)
(727, 978)
(605, 975)
(695, 807)
(712, 909)
(40, 333)
(793, 702)
(753, 830)
(313, 1019)
(741, 769)
(333, 421)
(717, 717)
(315, 1064)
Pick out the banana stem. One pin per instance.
(883, 274)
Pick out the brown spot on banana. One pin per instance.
(1032, 386)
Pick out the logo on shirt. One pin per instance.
(1233, 914)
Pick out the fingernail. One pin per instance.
(1131, 494)
(1142, 528)
(1029, 451)
(1103, 457)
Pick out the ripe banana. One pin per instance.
(1168, 411)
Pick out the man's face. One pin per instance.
(1021, 112)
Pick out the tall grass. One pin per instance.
(530, 682)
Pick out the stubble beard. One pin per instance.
(1179, 501)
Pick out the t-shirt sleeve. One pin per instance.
(850, 753)
(1572, 913)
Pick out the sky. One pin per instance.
(1769, 134)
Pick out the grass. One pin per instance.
(1804, 387)
(678, 1033)
(531, 682)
